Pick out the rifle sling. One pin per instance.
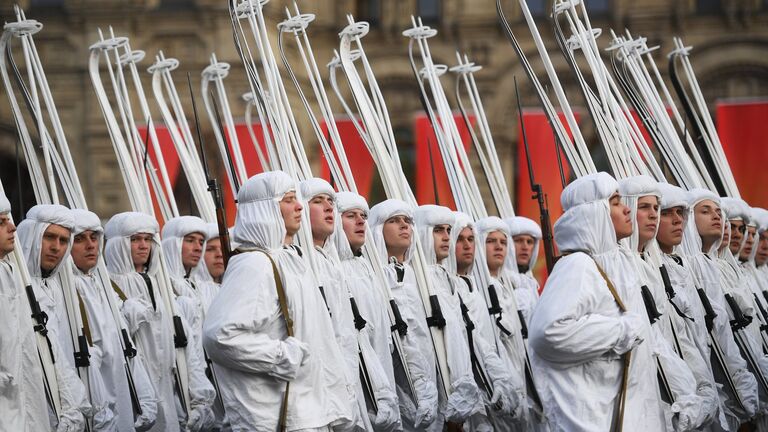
(619, 425)
(283, 301)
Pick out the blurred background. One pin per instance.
(730, 57)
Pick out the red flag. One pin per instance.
(741, 127)
(358, 156)
(425, 140)
(170, 157)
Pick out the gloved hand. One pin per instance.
(201, 418)
(464, 400)
(688, 413)
(630, 332)
(144, 422)
(425, 414)
(105, 418)
(710, 401)
(406, 405)
(426, 393)
(7, 383)
(136, 312)
(71, 420)
(388, 415)
(505, 398)
(294, 354)
(746, 386)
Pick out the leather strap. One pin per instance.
(619, 425)
(283, 301)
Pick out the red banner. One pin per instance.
(541, 143)
(741, 127)
(170, 157)
(358, 156)
(426, 145)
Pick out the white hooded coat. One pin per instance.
(361, 281)
(22, 399)
(245, 334)
(189, 303)
(150, 323)
(508, 387)
(578, 333)
(739, 280)
(49, 291)
(526, 286)
(694, 394)
(465, 398)
(355, 344)
(422, 412)
(507, 326)
(105, 335)
(704, 273)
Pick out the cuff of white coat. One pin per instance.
(628, 337)
(282, 368)
(6, 380)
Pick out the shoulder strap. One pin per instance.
(611, 288)
(619, 420)
(281, 298)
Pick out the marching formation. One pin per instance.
(317, 311)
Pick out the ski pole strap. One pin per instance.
(619, 425)
(360, 322)
(283, 301)
(400, 325)
(650, 304)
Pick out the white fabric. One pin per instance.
(526, 285)
(105, 333)
(519, 225)
(346, 201)
(704, 273)
(631, 190)
(192, 300)
(417, 344)
(354, 343)
(50, 293)
(245, 334)
(508, 387)
(151, 327)
(464, 399)
(512, 346)
(378, 215)
(173, 235)
(577, 332)
(360, 280)
(22, 397)
(695, 398)
(5, 204)
(735, 209)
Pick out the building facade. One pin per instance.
(730, 56)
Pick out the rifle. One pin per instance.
(538, 194)
(213, 186)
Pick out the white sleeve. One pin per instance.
(74, 403)
(234, 331)
(576, 319)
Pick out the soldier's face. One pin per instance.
(54, 246)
